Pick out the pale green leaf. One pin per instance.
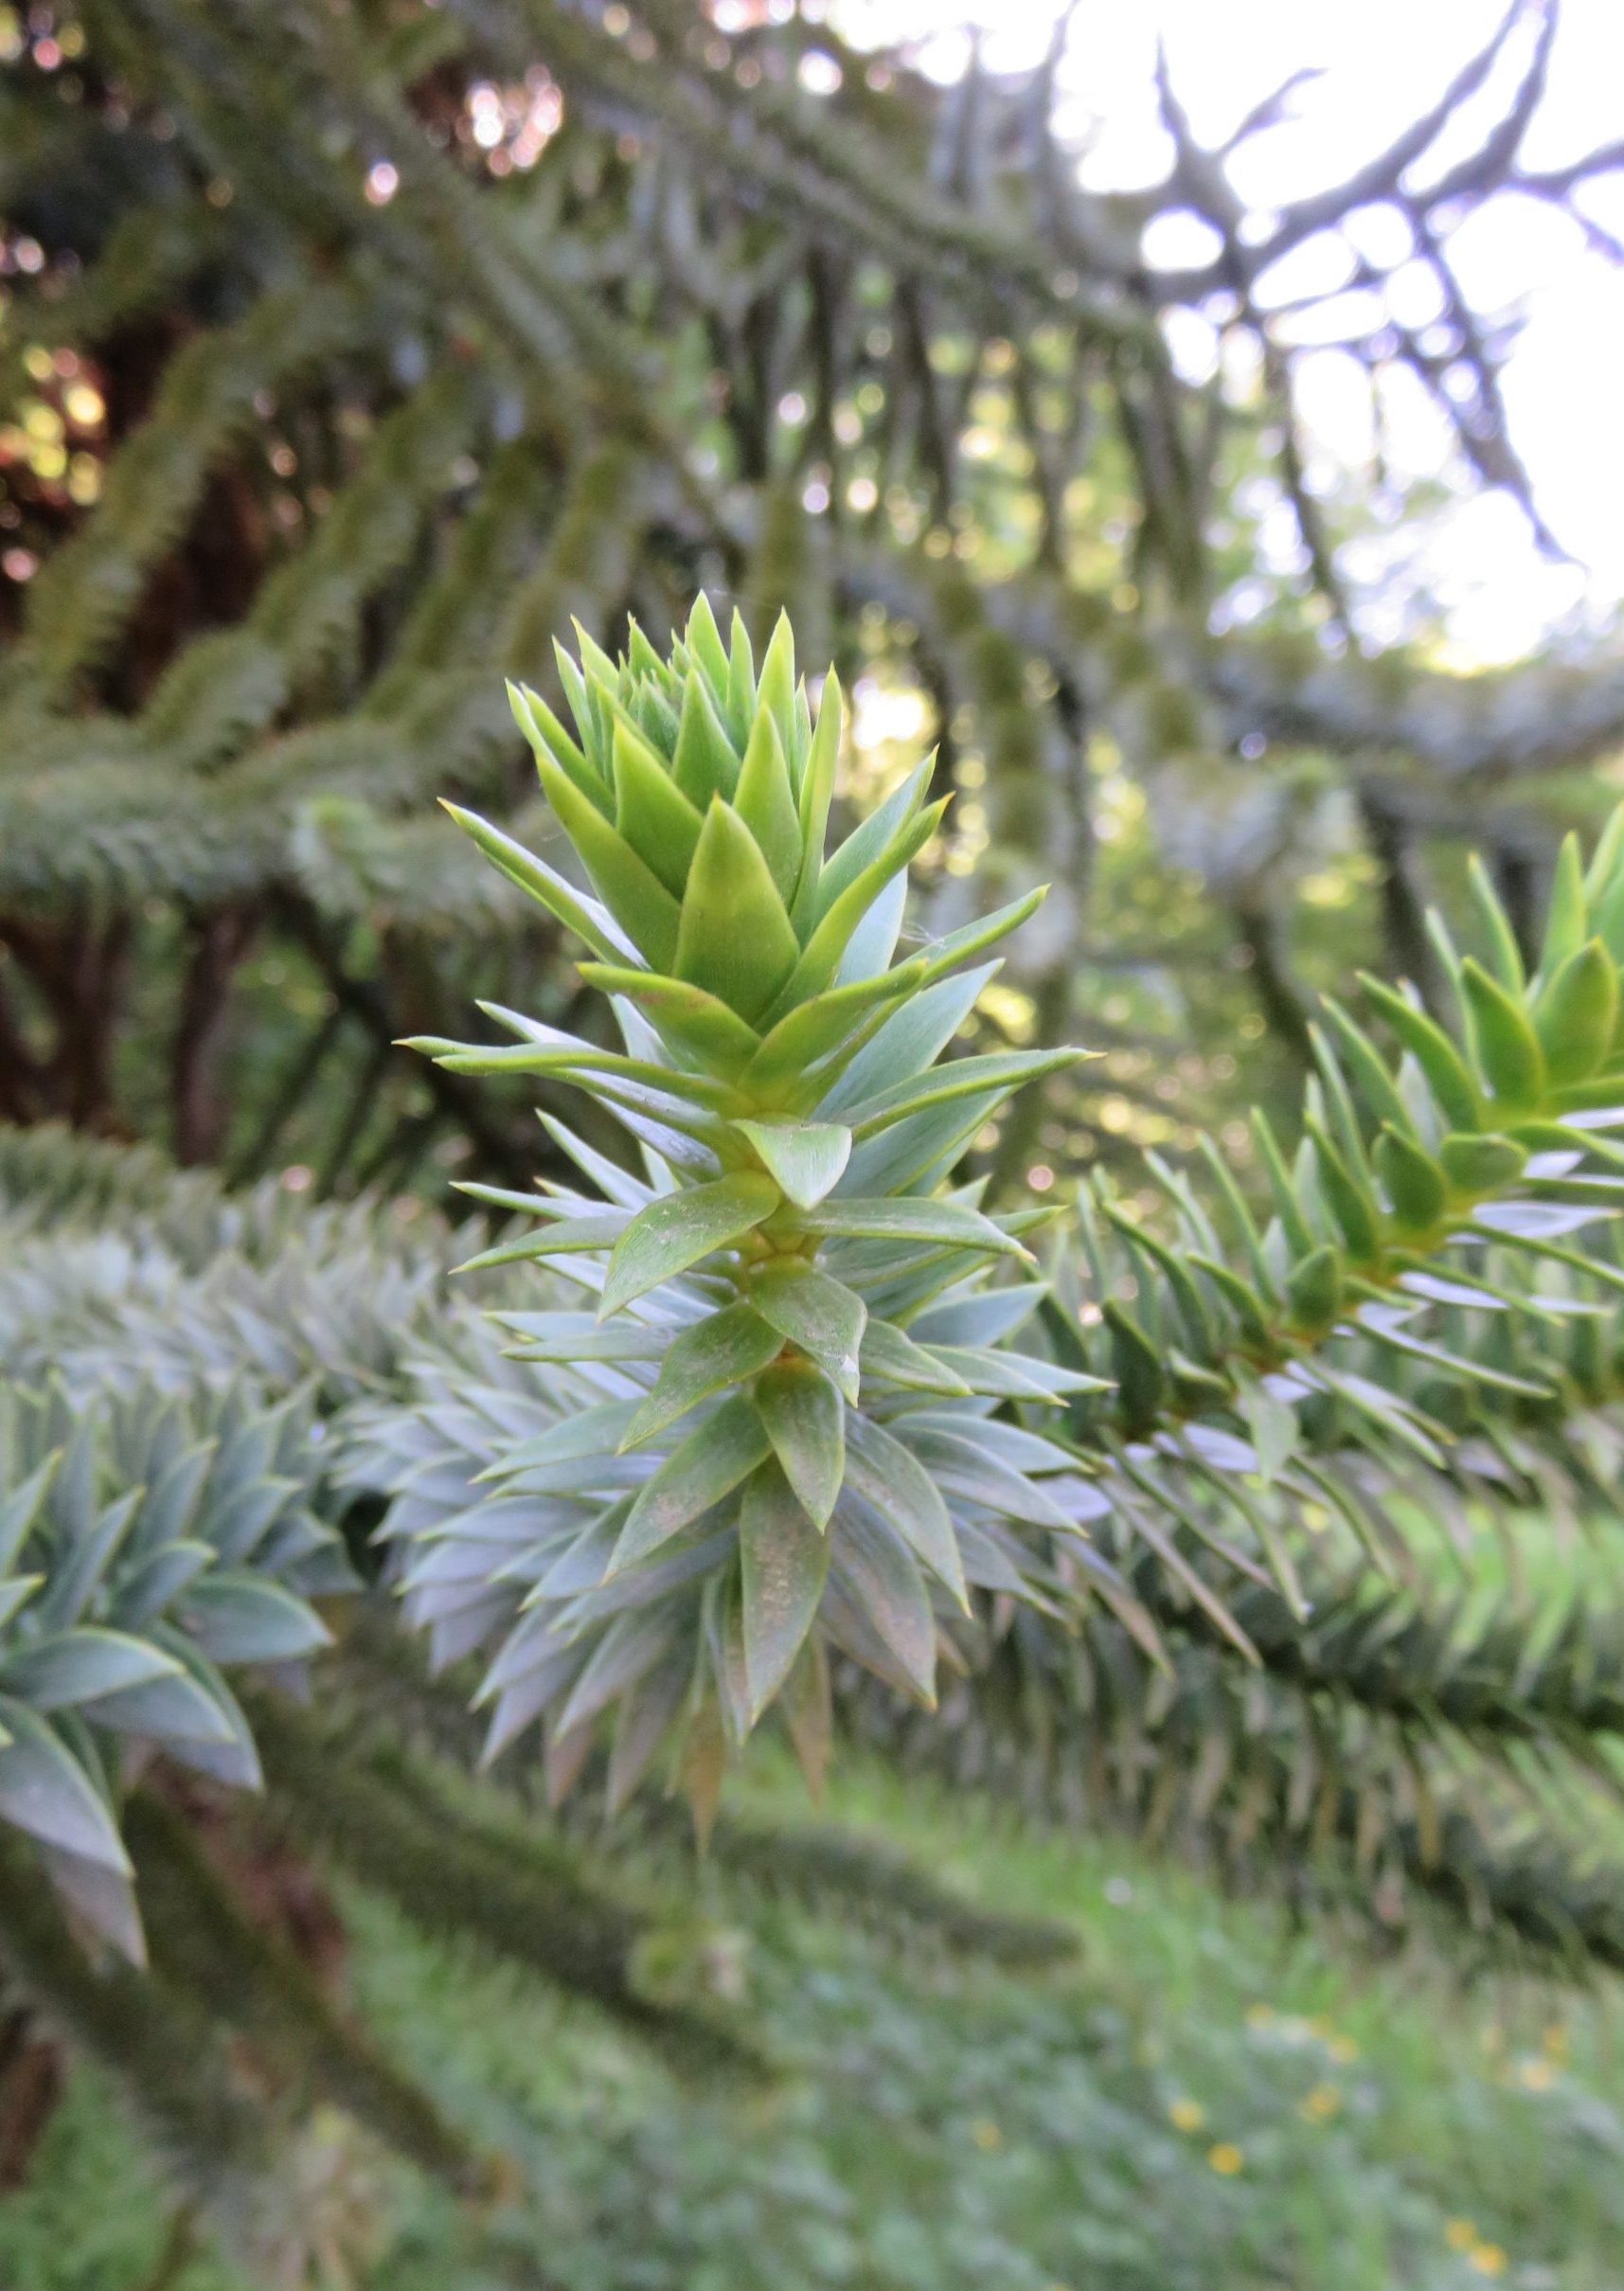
(734, 937)
(698, 1023)
(654, 817)
(765, 802)
(806, 1158)
(583, 916)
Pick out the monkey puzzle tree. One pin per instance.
(355, 352)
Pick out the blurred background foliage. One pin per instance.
(347, 354)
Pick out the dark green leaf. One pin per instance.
(815, 1312)
(678, 1229)
(887, 1220)
(804, 1416)
(720, 1349)
(893, 1480)
(783, 1564)
(709, 1464)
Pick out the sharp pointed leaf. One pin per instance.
(735, 939)
(680, 1228)
(783, 1564)
(807, 1158)
(720, 1349)
(805, 1418)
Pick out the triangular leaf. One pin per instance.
(734, 938)
(709, 1463)
(887, 1475)
(633, 894)
(764, 800)
(805, 1418)
(807, 1159)
(702, 763)
(812, 1310)
(885, 1220)
(656, 818)
(783, 1564)
(720, 1349)
(679, 1229)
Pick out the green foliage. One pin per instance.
(143, 1546)
(779, 1076)
(793, 1428)
(783, 1419)
(1261, 1369)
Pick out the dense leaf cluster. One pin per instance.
(763, 1403)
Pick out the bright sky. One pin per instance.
(1383, 62)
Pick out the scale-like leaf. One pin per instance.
(709, 1463)
(765, 800)
(1507, 1048)
(817, 791)
(807, 1158)
(1434, 1052)
(897, 1485)
(583, 916)
(821, 959)
(962, 1077)
(783, 1565)
(948, 1222)
(1576, 1015)
(46, 1791)
(679, 1229)
(1416, 1186)
(872, 1565)
(720, 1349)
(74, 1666)
(240, 1617)
(684, 1014)
(814, 1311)
(628, 886)
(652, 815)
(894, 1359)
(813, 1031)
(805, 1419)
(735, 939)
(704, 762)
(908, 1041)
